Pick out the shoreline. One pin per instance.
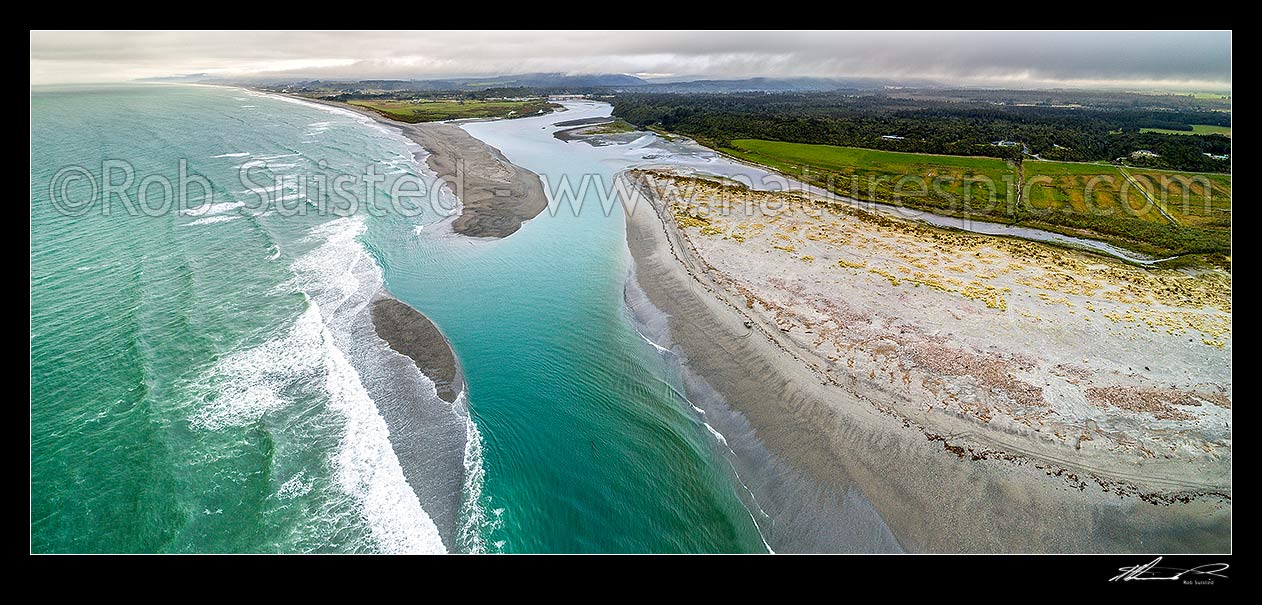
(496, 196)
(428, 433)
(936, 488)
(428, 439)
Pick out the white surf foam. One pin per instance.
(254, 382)
(362, 119)
(368, 469)
(210, 220)
(474, 523)
(248, 383)
(367, 465)
(296, 487)
(660, 348)
(232, 155)
(208, 209)
(328, 273)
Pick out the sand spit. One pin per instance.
(496, 196)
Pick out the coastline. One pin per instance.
(936, 491)
(428, 432)
(497, 197)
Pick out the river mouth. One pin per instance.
(261, 409)
(781, 508)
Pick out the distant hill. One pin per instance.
(587, 83)
(558, 82)
(780, 85)
(555, 80)
(178, 78)
(533, 81)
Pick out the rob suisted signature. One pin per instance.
(1151, 571)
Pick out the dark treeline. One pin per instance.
(1078, 133)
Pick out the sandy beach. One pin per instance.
(1045, 443)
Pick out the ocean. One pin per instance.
(205, 378)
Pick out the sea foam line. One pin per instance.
(660, 348)
(368, 467)
(253, 382)
(474, 524)
(701, 414)
(718, 436)
(211, 220)
(208, 209)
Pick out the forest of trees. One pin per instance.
(1082, 133)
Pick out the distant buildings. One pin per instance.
(1143, 153)
(1005, 143)
(566, 97)
(1214, 156)
(891, 137)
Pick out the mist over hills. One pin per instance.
(559, 82)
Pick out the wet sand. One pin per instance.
(427, 433)
(934, 495)
(411, 333)
(577, 133)
(586, 121)
(496, 196)
(588, 135)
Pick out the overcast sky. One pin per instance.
(1136, 60)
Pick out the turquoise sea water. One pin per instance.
(201, 379)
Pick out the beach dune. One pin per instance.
(931, 493)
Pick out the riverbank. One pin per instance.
(496, 196)
(951, 470)
(1132, 239)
